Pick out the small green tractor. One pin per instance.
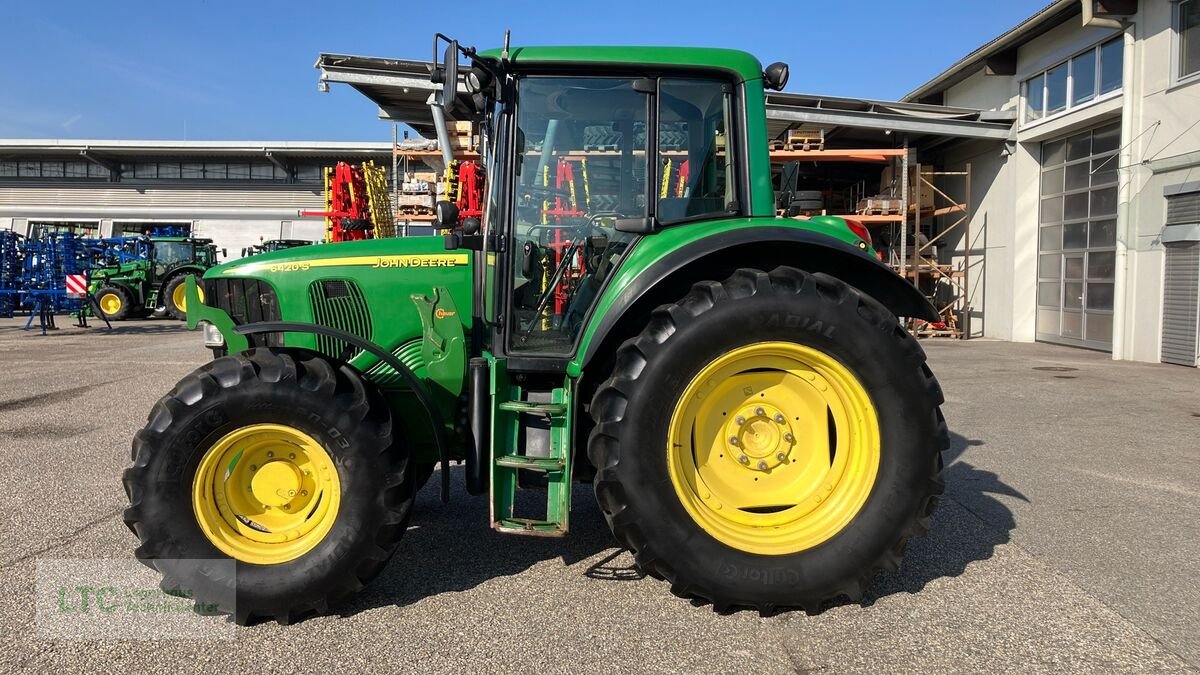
(151, 282)
(759, 429)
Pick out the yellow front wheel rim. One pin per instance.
(110, 303)
(266, 494)
(773, 448)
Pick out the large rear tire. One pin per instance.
(280, 461)
(798, 452)
(174, 297)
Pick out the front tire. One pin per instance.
(280, 461)
(798, 451)
(113, 301)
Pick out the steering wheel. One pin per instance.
(583, 230)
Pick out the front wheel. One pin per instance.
(113, 302)
(280, 461)
(799, 450)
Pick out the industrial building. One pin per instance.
(236, 193)
(1087, 215)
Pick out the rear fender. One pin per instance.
(625, 306)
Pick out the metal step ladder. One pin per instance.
(515, 419)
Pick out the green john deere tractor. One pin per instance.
(759, 429)
(130, 287)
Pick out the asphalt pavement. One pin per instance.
(1068, 540)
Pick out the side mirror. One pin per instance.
(471, 226)
(445, 214)
(450, 78)
(776, 76)
(224, 253)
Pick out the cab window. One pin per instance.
(695, 171)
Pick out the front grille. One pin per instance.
(246, 301)
(339, 304)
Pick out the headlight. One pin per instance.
(212, 336)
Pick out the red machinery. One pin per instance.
(564, 207)
(468, 186)
(356, 203)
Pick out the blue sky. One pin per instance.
(212, 69)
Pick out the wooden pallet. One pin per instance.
(879, 206)
(800, 140)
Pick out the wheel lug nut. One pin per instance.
(739, 420)
(254, 467)
(270, 454)
(733, 440)
(789, 437)
(291, 455)
(304, 493)
(780, 456)
(779, 418)
(762, 465)
(760, 412)
(743, 459)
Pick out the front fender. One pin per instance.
(661, 267)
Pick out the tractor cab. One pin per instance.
(581, 161)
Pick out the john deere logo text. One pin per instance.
(375, 261)
(418, 261)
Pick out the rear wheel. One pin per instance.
(281, 462)
(801, 448)
(175, 296)
(113, 301)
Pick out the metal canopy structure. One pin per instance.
(111, 154)
(401, 88)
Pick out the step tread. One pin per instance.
(546, 528)
(533, 463)
(534, 407)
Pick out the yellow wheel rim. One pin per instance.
(110, 303)
(266, 494)
(773, 448)
(179, 296)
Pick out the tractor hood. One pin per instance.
(346, 258)
(378, 290)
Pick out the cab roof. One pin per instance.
(744, 65)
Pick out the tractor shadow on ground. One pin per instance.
(451, 548)
(969, 524)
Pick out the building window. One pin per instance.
(51, 169)
(1187, 30)
(1074, 82)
